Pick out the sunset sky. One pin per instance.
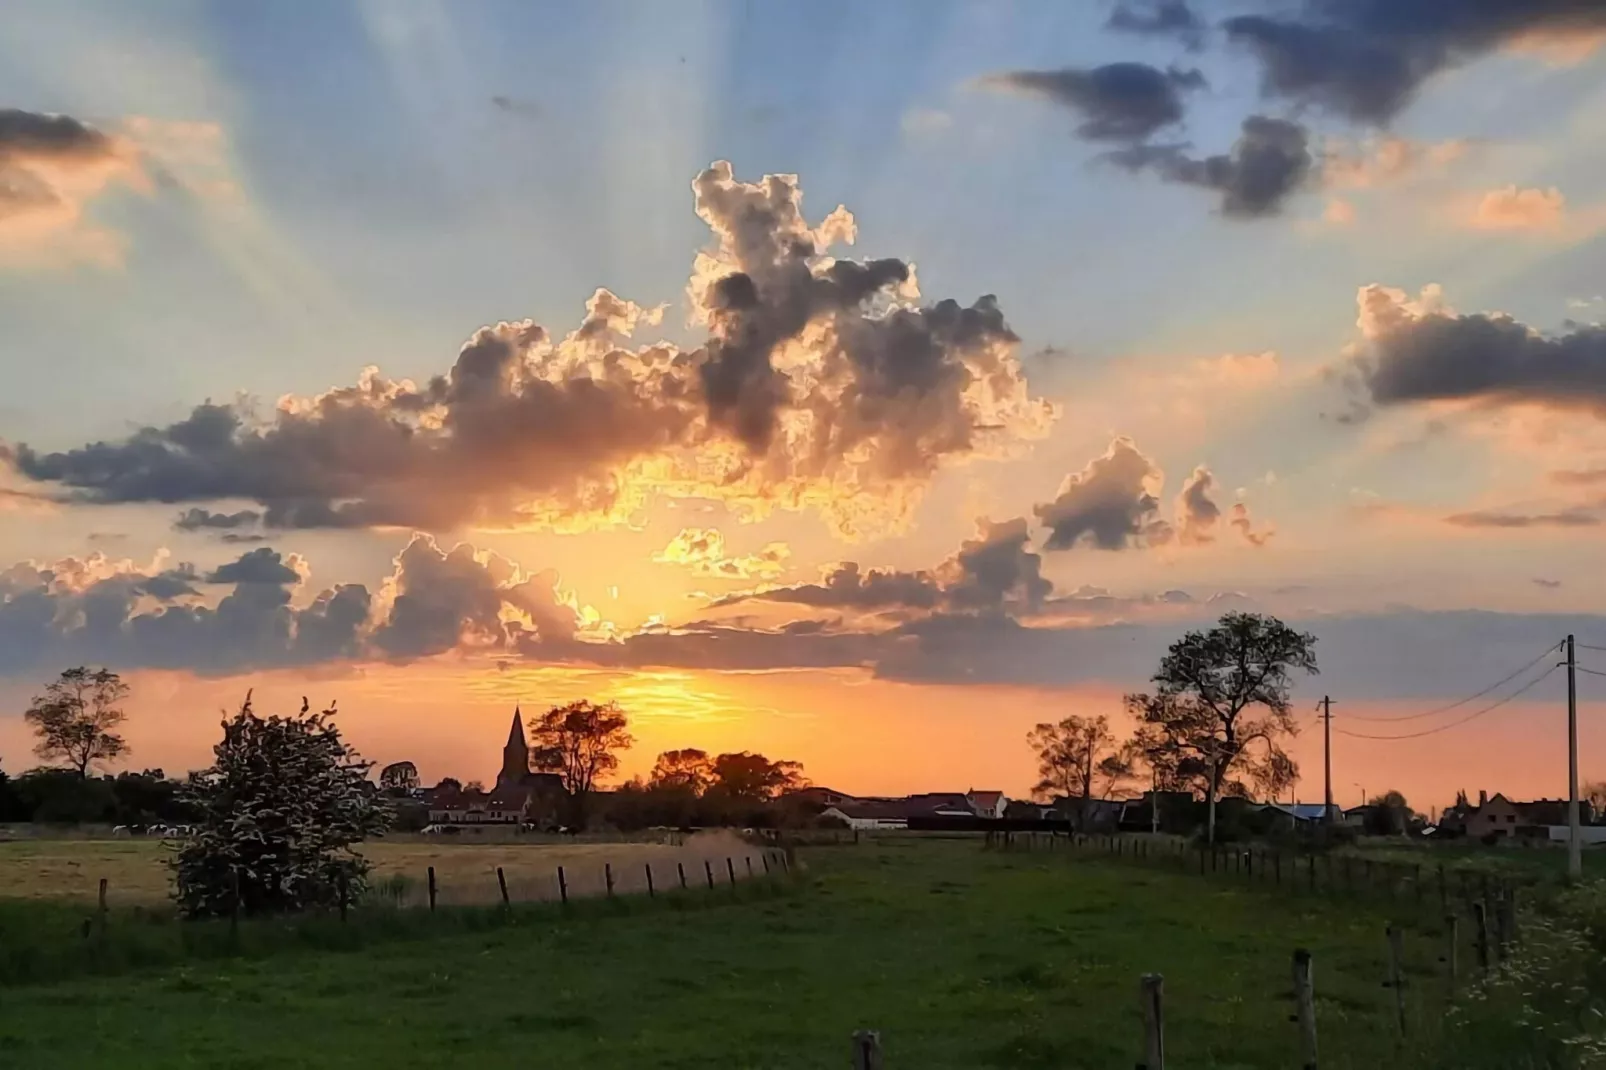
(860, 383)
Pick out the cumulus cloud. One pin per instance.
(1419, 349)
(1112, 503)
(703, 551)
(51, 167)
(1270, 161)
(822, 384)
(1245, 526)
(1158, 18)
(1116, 102)
(1365, 59)
(1385, 160)
(1197, 513)
(1511, 208)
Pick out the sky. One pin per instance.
(856, 383)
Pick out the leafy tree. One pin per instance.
(1221, 701)
(149, 797)
(76, 716)
(580, 742)
(399, 778)
(752, 778)
(1391, 815)
(689, 770)
(476, 787)
(449, 783)
(12, 807)
(281, 807)
(1078, 758)
(1594, 793)
(61, 796)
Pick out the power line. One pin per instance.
(1591, 672)
(1469, 717)
(1547, 652)
(1586, 646)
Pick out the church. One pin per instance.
(519, 797)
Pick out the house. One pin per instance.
(818, 796)
(870, 813)
(1497, 817)
(501, 806)
(940, 804)
(987, 803)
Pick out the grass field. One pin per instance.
(962, 958)
(72, 869)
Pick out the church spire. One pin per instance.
(515, 735)
(516, 755)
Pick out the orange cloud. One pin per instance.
(703, 551)
(51, 167)
(1513, 208)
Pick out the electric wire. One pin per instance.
(1547, 652)
(1530, 685)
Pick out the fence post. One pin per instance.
(1201, 860)
(100, 913)
(1151, 996)
(867, 1050)
(730, 870)
(1249, 863)
(607, 876)
(501, 882)
(1305, 1002)
(708, 868)
(1480, 921)
(1277, 867)
(1396, 975)
(1452, 927)
(651, 891)
(563, 887)
(749, 860)
(1511, 914)
(432, 887)
(765, 858)
(681, 868)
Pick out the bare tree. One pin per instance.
(1221, 704)
(76, 716)
(1077, 755)
(581, 743)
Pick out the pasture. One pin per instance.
(960, 957)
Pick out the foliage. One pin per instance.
(76, 716)
(399, 778)
(12, 806)
(745, 777)
(1390, 815)
(1078, 758)
(1217, 694)
(689, 770)
(61, 796)
(580, 742)
(281, 807)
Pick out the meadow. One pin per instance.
(960, 957)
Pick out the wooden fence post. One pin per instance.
(501, 882)
(749, 860)
(100, 913)
(563, 887)
(1396, 974)
(651, 891)
(607, 877)
(1416, 881)
(1151, 997)
(432, 887)
(730, 870)
(708, 869)
(1452, 931)
(1480, 921)
(681, 868)
(867, 1050)
(765, 858)
(1305, 1014)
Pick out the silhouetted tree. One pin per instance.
(75, 718)
(12, 807)
(449, 783)
(746, 777)
(581, 743)
(1077, 757)
(1221, 692)
(476, 787)
(61, 796)
(1391, 815)
(281, 808)
(399, 778)
(689, 770)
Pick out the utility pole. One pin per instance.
(1575, 857)
(1327, 755)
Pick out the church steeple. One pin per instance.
(516, 755)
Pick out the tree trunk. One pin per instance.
(1211, 791)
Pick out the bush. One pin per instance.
(281, 808)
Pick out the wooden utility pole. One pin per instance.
(1327, 755)
(1305, 999)
(1575, 855)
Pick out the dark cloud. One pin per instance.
(26, 135)
(262, 566)
(524, 109)
(1117, 102)
(1418, 351)
(197, 519)
(1245, 526)
(1110, 504)
(1366, 59)
(1197, 512)
(872, 394)
(847, 586)
(1270, 161)
(1566, 518)
(1158, 18)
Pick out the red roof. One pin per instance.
(987, 800)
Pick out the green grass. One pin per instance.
(962, 958)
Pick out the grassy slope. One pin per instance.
(962, 959)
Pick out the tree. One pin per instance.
(280, 808)
(12, 807)
(752, 778)
(1390, 816)
(689, 770)
(475, 787)
(1219, 693)
(75, 718)
(399, 778)
(581, 743)
(1077, 755)
(1594, 793)
(449, 784)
